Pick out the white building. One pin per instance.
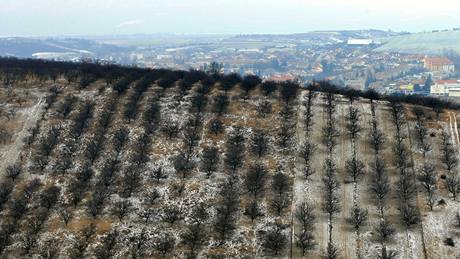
(449, 88)
(360, 42)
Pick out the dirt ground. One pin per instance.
(27, 116)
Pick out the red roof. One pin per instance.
(282, 78)
(449, 81)
(438, 61)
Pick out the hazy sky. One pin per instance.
(55, 17)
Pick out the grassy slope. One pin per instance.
(423, 43)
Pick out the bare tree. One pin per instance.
(121, 208)
(410, 215)
(332, 252)
(200, 214)
(280, 183)
(119, 139)
(308, 115)
(274, 241)
(285, 134)
(331, 204)
(234, 157)
(13, 171)
(457, 220)
(182, 164)
(353, 122)
(210, 158)
(49, 248)
(422, 134)
(82, 241)
(158, 174)
(377, 138)
(171, 214)
(387, 254)
(269, 87)
(164, 244)
(355, 168)
(190, 138)
(146, 214)
(255, 179)
(330, 136)
(138, 245)
(95, 204)
(151, 196)
(220, 103)
(449, 157)
(5, 190)
(199, 102)
(306, 216)
(259, 143)
(215, 126)
(358, 217)
(306, 152)
(384, 232)
(264, 108)
(131, 180)
(453, 185)
(49, 196)
(248, 83)
(65, 214)
(252, 210)
(225, 220)
(108, 244)
(427, 179)
(380, 185)
(305, 241)
(289, 90)
(279, 203)
(194, 237)
(170, 128)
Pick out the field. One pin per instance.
(434, 43)
(141, 168)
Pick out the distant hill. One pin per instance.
(27, 47)
(323, 36)
(423, 43)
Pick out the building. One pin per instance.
(357, 84)
(360, 42)
(282, 78)
(444, 65)
(438, 90)
(454, 92)
(449, 88)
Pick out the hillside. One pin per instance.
(434, 43)
(117, 162)
(59, 47)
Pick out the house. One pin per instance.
(444, 65)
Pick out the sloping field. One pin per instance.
(434, 43)
(207, 171)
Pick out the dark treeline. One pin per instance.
(14, 70)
